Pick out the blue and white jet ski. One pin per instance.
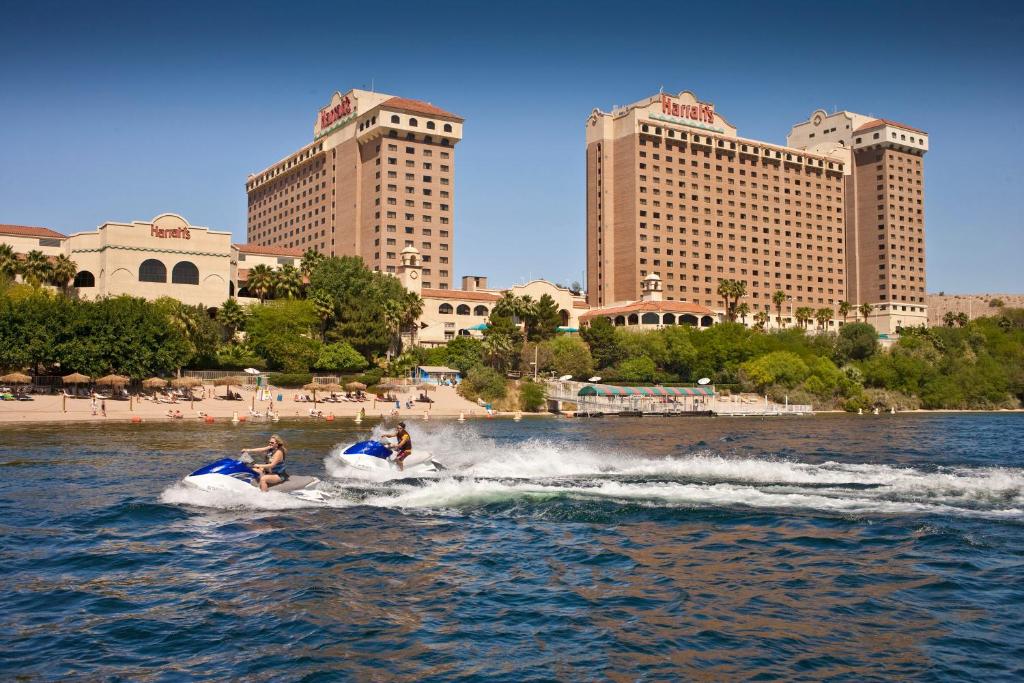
(238, 476)
(374, 456)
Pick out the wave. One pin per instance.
(483, 471)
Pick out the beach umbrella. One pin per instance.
(76, 378)
(154, 383)
(186, 382)
(113, 380)
(425, 386)
(229, 382)
(15, 378)
(314, 387)
(355, 386)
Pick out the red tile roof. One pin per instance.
(886, 122)
(267, 251)
(580, 304)
(419, 107)
(29, 231)
(649, 306)
(458, 294)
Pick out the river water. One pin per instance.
(840, 547)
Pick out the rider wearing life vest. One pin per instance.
(403, 449)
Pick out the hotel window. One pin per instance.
(152, 270)
(394, 119)
(430, 125)
(447, 129)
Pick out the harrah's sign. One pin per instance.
(705, 113)
(180, 233)
(338, 111)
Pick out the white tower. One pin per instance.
(650, 288)
(410, 271)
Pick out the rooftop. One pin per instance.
(652, 306)
(419, 107)
(886, 122)
(267, 251)
(458, 294)
(29, 231)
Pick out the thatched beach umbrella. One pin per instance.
(76, 378)
(113, 381)
(314, 387)
(187, 383)
(154, 383)
(229, 382)
(426, 386)
(355, 386)
(15, 378)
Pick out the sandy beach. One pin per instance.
(446, 404)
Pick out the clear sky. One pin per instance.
(124, 110)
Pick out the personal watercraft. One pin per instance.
(229, 474)
(373, 456)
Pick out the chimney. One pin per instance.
(471, 283)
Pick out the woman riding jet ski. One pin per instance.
(228, 474)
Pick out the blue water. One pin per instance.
(847, 548)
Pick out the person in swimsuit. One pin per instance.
(403, 449)
(272, 472)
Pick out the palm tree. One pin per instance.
(844, 309)
(36, 268)
(779, 298)
(823, 315)
(949, 319)
(62, 271)
(865, 310)
(232, 316)
(739, 290)
(762, 318)
(726, 288)
(9, 264)
(743, 310)
(804, 315)
(311, 258)
(261, 281)
(324, 307)
(962, 319)
(412, 309)
(288, 282)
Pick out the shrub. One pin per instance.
(779, 367)
(531, 396)
(483, 382)
(340, 357)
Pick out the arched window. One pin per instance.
(463, 309)
(445, 309)
(480, 310)
(152, 270)
(231, 289)
(706, 321)
(633, 319)
(687, 319)
(447, 128)
(395, 119)
(650, 319)
(84, 279)
(620, 320)
(669, 319)
(185, 273)
(564, 316)
(413, 122)
(430, 125)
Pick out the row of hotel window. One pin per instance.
(151, 270)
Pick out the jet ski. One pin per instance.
(374, 456)
(228, 474)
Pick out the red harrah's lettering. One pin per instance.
(704, 113)
(329, 116)
(170, 232)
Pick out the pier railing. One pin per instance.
(559, 393)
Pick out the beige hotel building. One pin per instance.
(836, 214)
(379, 176)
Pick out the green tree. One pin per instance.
(287, 282)
(778, 298)
(531, 396)
(340, 357)
(962, 319)
(502, 341)
(484, 383)
(804, 315)
(743, 310)
(865, 310)
(261, 281)
(463, 353)
(844, 309)
(36, 269)
(949, 319)
(601, 338)
(324, 307)
(571, 356)
(9, 264)
(856, 341)
(761, 319)
(62, 272)
(638, 370)
(283, 332)
(996, 303)
(823, 316)
(779, 367)
(680, 353)
(232, 316)
(311, 258)
(199, 332)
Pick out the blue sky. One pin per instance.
(121, 111)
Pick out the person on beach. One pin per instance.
(103, 407)
(403, 449)
(271, 472)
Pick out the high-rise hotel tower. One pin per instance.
(378, 176)
(673, 190)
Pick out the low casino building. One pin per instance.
(652, 311)
(166, 256)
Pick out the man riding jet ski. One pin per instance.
(229, 474)
(375, 456)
